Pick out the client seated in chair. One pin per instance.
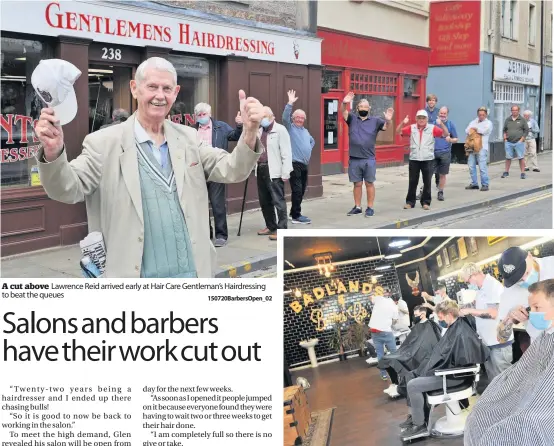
(459, 347)
(415, 349)
(518, 406)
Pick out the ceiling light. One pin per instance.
(298, 293)
(399, 243)
(393, 253)
(20, 58)
(383, 267)
(98, 70)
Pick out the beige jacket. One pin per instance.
(106, 176)
(279, 151)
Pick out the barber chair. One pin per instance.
(453, 424)
(401, 336)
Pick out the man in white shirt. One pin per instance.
(485, 310)
(383, 316)
(519, 270)
(483, 126)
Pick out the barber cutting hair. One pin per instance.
(520, 270)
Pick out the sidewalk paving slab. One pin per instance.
(251, 252)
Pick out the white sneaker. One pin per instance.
(372, 361)
(389, 389)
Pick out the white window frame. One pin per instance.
(532, 28)
(509, 19)
(508, 93)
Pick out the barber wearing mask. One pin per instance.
(520, 270)
(485, 311)
(432, 301)
(515, 409)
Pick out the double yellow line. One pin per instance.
(528, 201)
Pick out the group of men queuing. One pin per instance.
(288, 148)
(431, 139)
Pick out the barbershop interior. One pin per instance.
(418, 340)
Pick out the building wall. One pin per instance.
(290, 14)
(300, 326)
(397, 21)
(518, 46)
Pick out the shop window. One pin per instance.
(330, 80)
(20, 109)
(108, 88)
(193, 75)
(366, 82)
(410, 87)
(532, 25)
(379, 105)
(509, 93)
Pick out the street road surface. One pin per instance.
(530, 211)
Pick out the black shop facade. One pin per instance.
(107, 42)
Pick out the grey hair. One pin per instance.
(298, 111)
(528, 112)
(202, 107)
(157, 63)
(445, 107)
(120, 115)
(269, 110)
(364, 101)
(468, 270)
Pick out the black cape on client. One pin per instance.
(416, 349)
(459, 347)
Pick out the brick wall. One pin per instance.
(289, 14)
(299, 326)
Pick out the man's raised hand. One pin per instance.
(50, 134)
(349, 97)
(251, 112)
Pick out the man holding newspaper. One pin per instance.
(144, 181)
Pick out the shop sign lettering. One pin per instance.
(322, 294)
(516, 71)
(454, 33)
(19, 130)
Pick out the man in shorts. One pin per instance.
(443, 147)
(362, 165)
(515, 131)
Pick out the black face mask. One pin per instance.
(363, 113)
(417, 319)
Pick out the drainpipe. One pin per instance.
(541, 83)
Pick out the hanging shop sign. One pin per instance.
(121, 24)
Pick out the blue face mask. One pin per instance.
(472, 287)
(531, 279)
(203, 120)
(538, 321)
(443, 324)
(265, 123)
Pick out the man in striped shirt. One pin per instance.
(518, 406)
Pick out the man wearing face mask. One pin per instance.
(515, 408)
(432, 301)
(216, 134)
(362, 164)
(485, 310)
(520, 270)
(274, 168)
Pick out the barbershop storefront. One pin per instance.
(107, 43)
(387, 74)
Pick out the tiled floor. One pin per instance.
(364, 415)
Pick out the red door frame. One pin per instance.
(332, 156)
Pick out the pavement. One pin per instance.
(249, 253)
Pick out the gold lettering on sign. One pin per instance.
(340, 300)
(329, 292)
(319, 293)
(341, 288)
(366, 288)
(296, 307)
(308, 300)
(354, 286)
(317, 318)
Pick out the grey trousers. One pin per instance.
(417, 387)
(499, 360)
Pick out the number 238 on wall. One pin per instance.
(111, 54)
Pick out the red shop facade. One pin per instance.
(387, 74)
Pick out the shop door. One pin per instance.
(547, 131)
(331, 125)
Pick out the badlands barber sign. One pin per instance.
(123, 24)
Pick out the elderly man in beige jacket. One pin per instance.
(144, 181)
(274, 168)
